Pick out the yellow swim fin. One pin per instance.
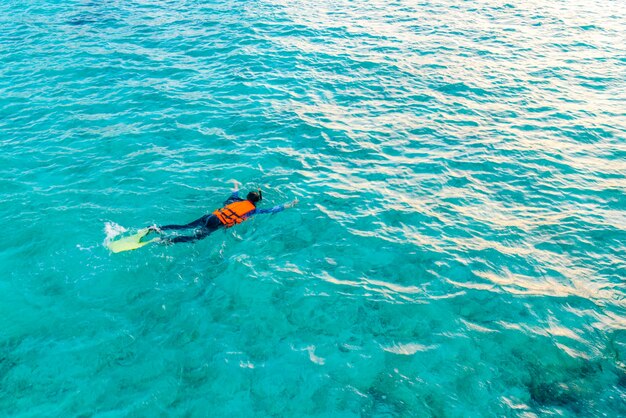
(131, 242)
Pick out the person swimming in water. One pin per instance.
(234, 211)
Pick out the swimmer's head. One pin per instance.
(254, 197)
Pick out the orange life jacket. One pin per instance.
(234, 213)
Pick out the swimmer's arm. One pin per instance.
(236, 185)
(275, 209)
(235, 194)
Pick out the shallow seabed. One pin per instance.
(459, 245)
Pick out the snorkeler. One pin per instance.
(235, 211)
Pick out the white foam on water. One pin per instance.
(112, 230)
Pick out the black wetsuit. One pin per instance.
(202, 228)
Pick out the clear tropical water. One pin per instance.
(460, 244)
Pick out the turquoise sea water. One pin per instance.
(460, 243)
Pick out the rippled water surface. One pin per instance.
(460, 244)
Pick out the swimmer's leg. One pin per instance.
(197, 235)
(194, 224)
